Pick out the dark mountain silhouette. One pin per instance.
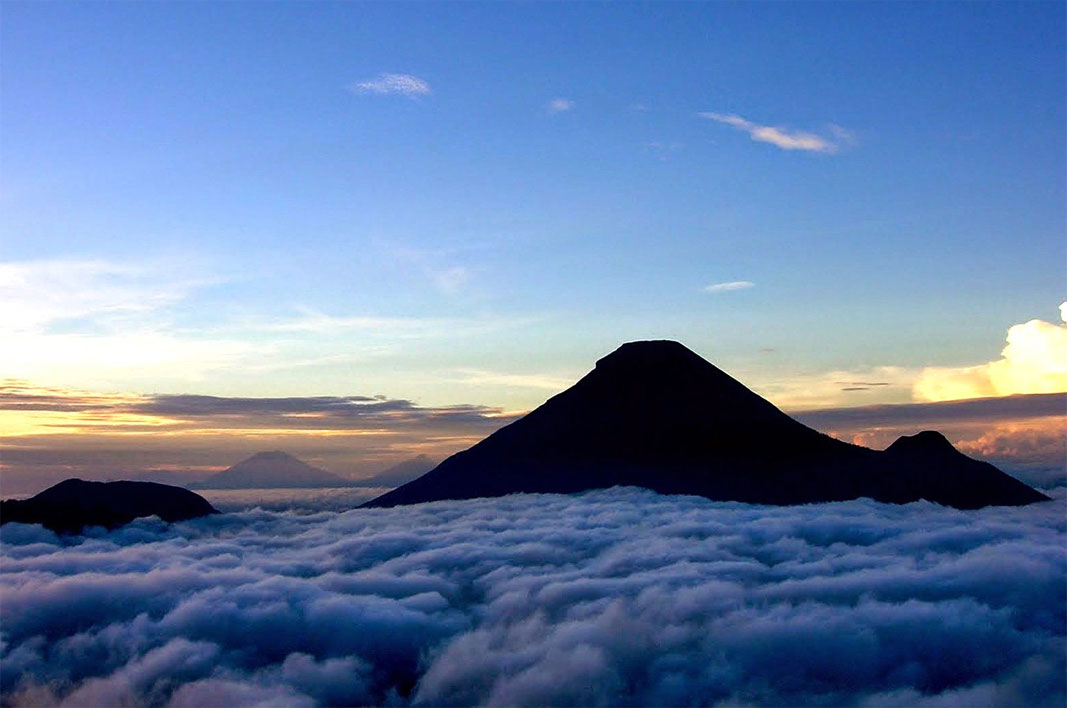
(657, 415)
(943, 472)
(400, 473)
(271, 470)
(73, 504)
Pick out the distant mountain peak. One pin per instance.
(272, 455)
(649, 352)
(657, 358)
(926, 441)
(272, 469)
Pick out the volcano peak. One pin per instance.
(655, 414)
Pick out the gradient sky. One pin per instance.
(471, 203)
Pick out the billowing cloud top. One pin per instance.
(618, 597)
(1034, 361)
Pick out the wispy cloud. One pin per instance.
(536, 381)
(826, 389)
(402, 84)
(728, 287)
(451, 280)
(785, 138)
(559, 105)
(89, 317)
(36, 295)
(437, 265)
(663, 150)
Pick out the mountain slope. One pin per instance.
(400, 473)
(656, 415)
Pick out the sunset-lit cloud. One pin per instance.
(401, 84)
(66, 411)
(1034, 361)
(838, 388)
(784, 138)
(1023, 442)
(48, 433)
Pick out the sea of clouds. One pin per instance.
(615, 597)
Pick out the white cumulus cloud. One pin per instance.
(1034, 361)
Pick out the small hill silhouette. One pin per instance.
(656, 415)
(73, 504)
(271, 470)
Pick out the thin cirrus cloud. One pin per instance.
(785, 138)
(35, 295)
(112, 322)
(559, 105)
(729, 286)
(95, 316)
(398, 84)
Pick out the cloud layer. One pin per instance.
(619, 597)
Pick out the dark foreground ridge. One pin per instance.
(657, 415)
(71, 505)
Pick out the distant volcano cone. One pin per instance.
(271, 470)
(656, 415)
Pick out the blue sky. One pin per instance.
(200, 198)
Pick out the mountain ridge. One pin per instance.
(655, 414)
